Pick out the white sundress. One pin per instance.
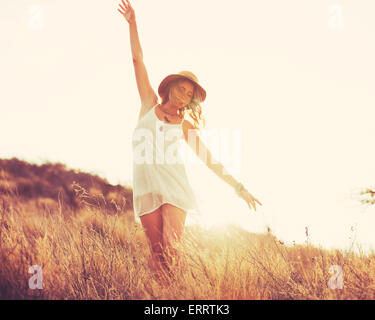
(159, 174)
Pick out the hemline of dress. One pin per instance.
(150, 211)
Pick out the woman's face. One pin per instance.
(181, 93)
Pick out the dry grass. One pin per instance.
(93, 255)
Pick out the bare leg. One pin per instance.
(173, 228)
(153, 226)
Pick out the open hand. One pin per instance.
(127, 11)
(250, 199)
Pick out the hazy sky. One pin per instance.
(296, 78)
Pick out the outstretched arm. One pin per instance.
(195, 142)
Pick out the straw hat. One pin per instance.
(185, 75)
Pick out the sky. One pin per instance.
(295, 80)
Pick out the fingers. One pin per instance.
(124, 3)
(250, 203)
(253, 203)
(122, 7)
(120, 11)
(255, 199)
(129, 4)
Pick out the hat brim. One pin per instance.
(171, 77)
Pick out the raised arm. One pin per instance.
(146, 92)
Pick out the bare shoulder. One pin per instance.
(186, 125)
(146, 106)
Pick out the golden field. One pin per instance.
(91, 255)
(96, 253)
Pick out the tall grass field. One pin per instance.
(49, 250)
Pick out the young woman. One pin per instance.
(162, 195)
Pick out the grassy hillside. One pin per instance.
(52, 184)
(90, 251)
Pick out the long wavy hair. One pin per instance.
(193, 109)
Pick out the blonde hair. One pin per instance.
(193, 108)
